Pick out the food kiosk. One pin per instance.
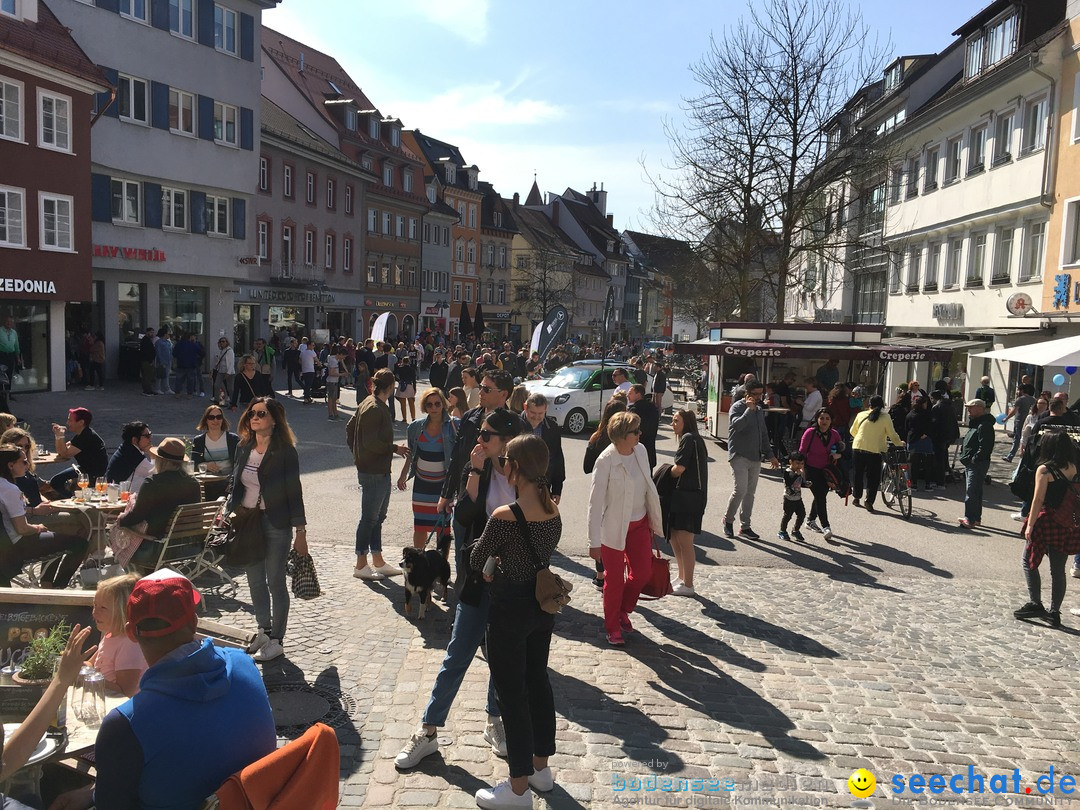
(771, 350)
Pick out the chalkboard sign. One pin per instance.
(29, 612)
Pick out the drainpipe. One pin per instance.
(101, 112)
(1046, 199)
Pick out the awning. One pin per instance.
(950, 344)
(1060, 352)
(841, 351)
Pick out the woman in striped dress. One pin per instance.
(431, 443)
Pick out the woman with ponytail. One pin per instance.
(870, 435)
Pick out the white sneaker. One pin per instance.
(827, 532)
(387, 570)
(812, 525)
(260, 641)
(419, 746)
(495, 736)
(368, 573)
(682, 589)
(542, 780)
(1017, 516)
(503, 796)
(269, 651)
(1076, 571)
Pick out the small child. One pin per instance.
(119, 659)
(794, 481)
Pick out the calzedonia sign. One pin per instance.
(27, 285)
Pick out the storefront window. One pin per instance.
(288, 317)
(243, 324)
(31, 321)
(183, 310)
(130, 312)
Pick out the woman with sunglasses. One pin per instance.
(215, 446)
(249, 384)
(266, 476)
(624, 515)
(431, 444)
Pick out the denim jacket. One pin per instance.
(449, 436)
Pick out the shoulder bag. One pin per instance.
(552, 591)
(690, 501)
(659, 582)
(241, 537)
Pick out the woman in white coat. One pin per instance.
(624, 514)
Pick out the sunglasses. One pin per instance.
(215, 416)
(487, 435)
(487, 389)
(146, 435)
(259, 414)
(432, 403)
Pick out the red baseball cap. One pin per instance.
(165, 595)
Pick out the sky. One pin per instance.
(573, 92)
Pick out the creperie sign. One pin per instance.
(132, 254)
(894, 356)
(739, 351)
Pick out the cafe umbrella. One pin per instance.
(465, 327)
(478, 321)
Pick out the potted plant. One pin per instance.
(42, 654)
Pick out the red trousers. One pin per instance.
(621, 591)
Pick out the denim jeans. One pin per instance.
(1058, 580)
(374, 500)
(746, 472)
(186, 380)
(974, 476)
(266, 580)
(470, 625)
(1018, 432)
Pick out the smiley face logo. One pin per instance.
(861, 783)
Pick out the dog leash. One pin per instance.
(440, 528)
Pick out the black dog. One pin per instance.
(423, 569)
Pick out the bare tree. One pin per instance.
(542, 279)
(751, 171)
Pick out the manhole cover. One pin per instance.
(298, 705)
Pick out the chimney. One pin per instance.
(611, 221)
(517, 199)
(555, 213)
(598, 197)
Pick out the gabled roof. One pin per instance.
(593, 223)
(492, 203)
(276, 122)
(47, 42)
(438, 154)
(535, 197)
(661, 252)
(535, 227)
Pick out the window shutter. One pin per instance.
(239, 221)
(159, 105)
(247, 128)
(198, 211)
(103, 99)
(159, 14)
(100, 197)
(205, 22)
(109, 5)
(152, 205)
(247, 37)
(206, 118)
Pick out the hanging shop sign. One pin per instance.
(290, 296)
(949, 312)
(129, 253)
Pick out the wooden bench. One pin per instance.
(183, 546)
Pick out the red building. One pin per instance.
(47, 85)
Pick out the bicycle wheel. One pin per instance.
(903, 494)
(888, 484)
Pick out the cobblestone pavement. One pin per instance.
(795, 665)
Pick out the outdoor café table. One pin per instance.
(212, 485)
(97, 514)
(47, 458)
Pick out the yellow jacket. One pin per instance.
(871, 436)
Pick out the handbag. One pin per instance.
(552, 591)
(241, 537)
(659, 582)
(305, 582)
(690, 501)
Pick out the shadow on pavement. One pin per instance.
(893, 555)
(753, 627)
(842, 567)
(695, 639)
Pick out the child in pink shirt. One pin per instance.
(118, 658)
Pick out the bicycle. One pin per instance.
(896, 480)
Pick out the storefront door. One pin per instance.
(31, 320)
(243, 329)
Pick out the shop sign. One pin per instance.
(894, 355)
(27, 285)
(247, 260)
(433, 310)
(132, 254)
(747, 351)
(372, 302)
(290, 296)
(949, 312)
(1065, 292)
(500, 316)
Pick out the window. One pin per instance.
(310, 195)
(286, 178)
(1034, 124)
(264, 173)
(131, 99)
(134, 9)
(914, 269)
(1003, 250)
(56, 224)
(412, 276)
(126, 202)
(952, 263)
(1035, 243)
(329, 254)
(451, 174)
(309, 247)
(225, 29)
(468, 293)
(348, 200)
(7, 7)
(174, 209)
(217, 215)
(953, 151)
(263, 240)
(973, 60)
(399, 275)
(930, 179)
(412, 227)
(472, 216)
(457, 291)
(373, 127)
(226, 130)
(400, 232)
(54, 121)
(490, 255)
(181, 18)
(491, 292)
(472, 252)
(1003, 133)
(350, 119)
(10, 110)
(372, 270)
(1072, 233)
(286, 245)
(395, 136)
(502, 257)
(427, 232)
(387, 222)
(892, 77)
(446, 237)
(181, 111)
(502, 292)
(346, 255)
(388, 176)
(933, 262)
(330, 198)
(385, 273)
(372, 220)
(912, 177)
(977, 150)
(894, 274)
(977, 261)
(11, 217)
(991, 45)
(406, 179)
(896, 183)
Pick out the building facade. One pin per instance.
(47, 89)
(497, 241)
(438, 264)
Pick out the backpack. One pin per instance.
(837, 479)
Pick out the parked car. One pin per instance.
(577, 393)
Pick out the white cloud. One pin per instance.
(467, 19)
(458, 111)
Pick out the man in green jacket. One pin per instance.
(370, 434)
(975, 456)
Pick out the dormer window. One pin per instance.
(892, 77)
(472, 178)
(350, 119)
(395, 136)
(9, 7)
(431, 193)
(610, 246)
(991, 45)
(451, 174)
(373, 126)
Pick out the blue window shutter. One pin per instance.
(100, 198)
(239, 222)
(198, 212)
(103, 99)
(206, 118)
(247, 128)
(206, 22)
(247, 37)
(159, 14)
(159, 105)
(109, 5)
(151, 205)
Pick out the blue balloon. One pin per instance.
(1001, 417)
(1070, 370)
(1059, 379)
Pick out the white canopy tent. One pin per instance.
(1060, 352)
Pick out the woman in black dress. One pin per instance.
(249, 384)
(688, 498)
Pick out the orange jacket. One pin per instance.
(303, 773)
